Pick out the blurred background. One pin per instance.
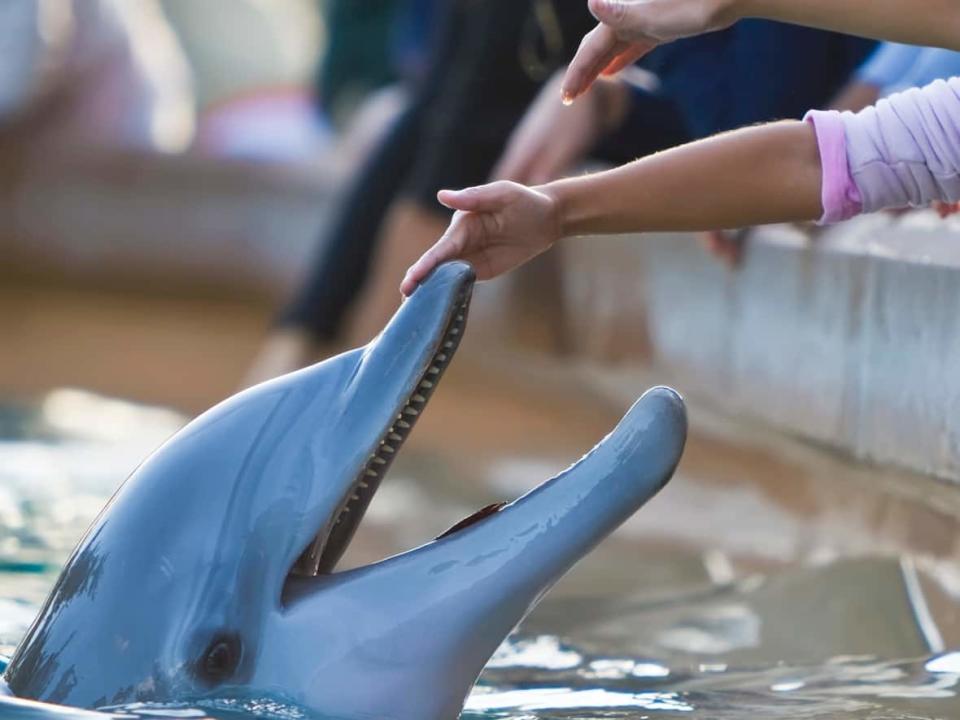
(165, 169)
(199, 194)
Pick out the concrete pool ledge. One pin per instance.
(140, 220)
(850, 339)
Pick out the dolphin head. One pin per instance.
(212, 570)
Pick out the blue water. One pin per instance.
(681, 637)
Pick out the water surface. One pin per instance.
(721, 600)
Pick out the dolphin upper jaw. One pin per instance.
(408, 348)
(200, 542)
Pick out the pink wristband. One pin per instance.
(839, 194)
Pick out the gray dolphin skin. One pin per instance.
(212, 569)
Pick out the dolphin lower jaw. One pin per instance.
(324, 552)
(425, 622)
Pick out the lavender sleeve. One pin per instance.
(905, 151)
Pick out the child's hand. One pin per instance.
(497, 227)
(629, 29)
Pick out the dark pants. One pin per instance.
(455, 128)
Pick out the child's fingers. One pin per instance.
(483, 198)
(448, 247)
(418, 271)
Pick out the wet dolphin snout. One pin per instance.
(445, 607)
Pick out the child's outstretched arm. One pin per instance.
(757, 175)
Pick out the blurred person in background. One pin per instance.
(487, 62)
(458, 128)
(92, 73)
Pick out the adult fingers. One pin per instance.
(483, 198)
(626, 18)
(628, 57)
(598, 49)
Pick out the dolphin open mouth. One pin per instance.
(213, 567)
(324, 552)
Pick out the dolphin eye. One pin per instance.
(221, 659)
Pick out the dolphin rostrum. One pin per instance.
(212, 569)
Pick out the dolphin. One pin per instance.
(212, 570)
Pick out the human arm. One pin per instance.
(914, 22)
(753, 176)
(630, 28)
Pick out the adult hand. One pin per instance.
(629, 29)
(553, 138)
(496, 228)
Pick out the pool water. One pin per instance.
(742, 591)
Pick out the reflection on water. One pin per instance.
(655, 625)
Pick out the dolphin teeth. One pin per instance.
(355, 496)
(371, 473)
(433, 371)
(441, 357)
(419, 398)
(388, 448)
(362, 485)
(455, 331)
(426, 384)
(410, 411)
(393, 436)
(460, 318)
(403, 424)
(447, 345)
(379, 460)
